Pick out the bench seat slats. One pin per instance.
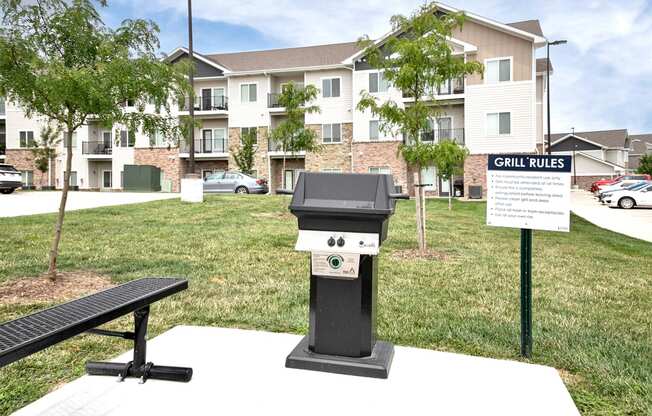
(29, 334)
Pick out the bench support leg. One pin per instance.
(139, 367)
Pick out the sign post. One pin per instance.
(530, 192)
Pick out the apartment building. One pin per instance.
(499, 111)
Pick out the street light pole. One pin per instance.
(191, 97)
(556, 42)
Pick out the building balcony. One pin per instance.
(97, 148)
(440, 135)
(275, 149)
(451, 89)
(207, 148)
(215, 103)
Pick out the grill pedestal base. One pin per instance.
(376, 365)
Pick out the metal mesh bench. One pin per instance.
(32, 333)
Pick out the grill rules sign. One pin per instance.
(529, 191)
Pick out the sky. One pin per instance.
(602, 78)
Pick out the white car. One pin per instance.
(631, 199)
(10, 179)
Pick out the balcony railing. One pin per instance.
(274, 146)
(272, 100)
(454, 86)
(211, 103)
(97, 148)
(440, 135)
(208, 146)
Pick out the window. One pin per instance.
(27, 177)
(330, 87)
(26, 138)
(248, 130)
(127, 138)
(157, 140)
(498, 70)
(429, 178)
(73, 177)
(331, 133)
(499, 124)
(379, 170)
(2, 106)
(377, 82)
(248, 93)
(374, 130)
(212, 174)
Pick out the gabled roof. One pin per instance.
(286, 58)
(602, 138)
(532, 26)
(640, 143)
(541, 65)
(182, 50)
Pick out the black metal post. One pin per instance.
(141, 317)
(548, 90)
(526, 292)
(138, 367)
(191, 98)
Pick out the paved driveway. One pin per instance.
(30, 203)
(635, 222)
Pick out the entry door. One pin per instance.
(219, 140)
(429, 178)
(218, 98)
(206, 103)
(107, 179)
(444, 125)
(107, 142)
(288, 180)
(207, 142)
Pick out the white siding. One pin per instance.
(16, 121)
(361, 119)
(516, 98)
(248, 114)
(333, 109)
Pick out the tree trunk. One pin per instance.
(450, 192)
(54, 251)
(420, 209)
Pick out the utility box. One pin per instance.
(343, 222)
(142, 178)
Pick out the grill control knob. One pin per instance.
(340, 242)
(331, 242)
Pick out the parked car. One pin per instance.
(602, 183)
(238, 182)
(10, 179)
(605, 196)
(618, 186)
(630, 199)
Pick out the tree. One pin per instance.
(292, 133)
(645, 164)
(45, 149)
(448, 159)
(416, 59)
(244, 156)
(59, 60)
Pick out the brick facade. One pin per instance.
(584, 182)
(382, 154)
(165, 159)
(277, 170)
(475, 173)
(332, 155)
(260, 158)
(23, 159)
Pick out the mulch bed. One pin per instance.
(39, 289)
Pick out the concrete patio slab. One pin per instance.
(238, 372)
(31, 203)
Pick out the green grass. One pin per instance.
(592, 288)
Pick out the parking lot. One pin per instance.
(635, 222)
(30, 203)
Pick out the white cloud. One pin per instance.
(600, 75)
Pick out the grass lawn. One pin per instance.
(592, 288)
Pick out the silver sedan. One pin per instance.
(234, 182)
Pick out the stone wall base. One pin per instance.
(23, 160)
(165, 159)
(475, 173)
